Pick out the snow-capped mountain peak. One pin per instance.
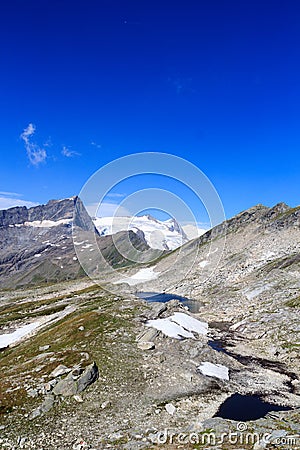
(163, 235)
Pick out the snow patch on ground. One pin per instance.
(169, 328)
(140, 277)
(10, 338)
(24, 331)
(214, 370)
(179, 325)
(252, 293)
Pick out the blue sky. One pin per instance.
(215, 82)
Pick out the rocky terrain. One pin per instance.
(101, 367)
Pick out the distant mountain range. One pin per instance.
(36, 244)
(43, 244)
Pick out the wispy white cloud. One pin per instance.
(35, 153)
(9, 202)
(66, 151)
(12, 194)
(95, 144)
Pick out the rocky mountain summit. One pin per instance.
(38, 244)
(195, 350)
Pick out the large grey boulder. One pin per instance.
(66, 387)
(72, 385)
(89, 376)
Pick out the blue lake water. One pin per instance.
(246, 407)
(151, 297)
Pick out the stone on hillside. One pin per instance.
(148, 336)
(66, 387)
(89, 376)
(59, 370)
(146, 345)
(157, 309)
(170, 409)
(44, 347)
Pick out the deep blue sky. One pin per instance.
(216, 82)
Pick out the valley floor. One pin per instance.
(150, 392)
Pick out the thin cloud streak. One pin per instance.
(7, 202)
(68, 153)
(10, 194)
(35, 153)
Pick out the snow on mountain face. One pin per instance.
(167, 235)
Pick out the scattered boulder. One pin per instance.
(157, 309)
(66, 387)
(32, 393)
(146, 345)
(71, 385)
(59, 370)
(89, 376)
(44, 347)
(170, 408)
(148, 336)
(105, 404)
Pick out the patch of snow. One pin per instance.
(169, 328)
(140, 277)
(179, 325)
(37, 255)
(44, 223)
(252, 293)
(9, 338)
(214, 370)
(26, 330)
(79, 243)
(202, 264)
(238, 324)
(74, 258)
(190, 323)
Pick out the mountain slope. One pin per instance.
(251, 284)
(151, 381)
